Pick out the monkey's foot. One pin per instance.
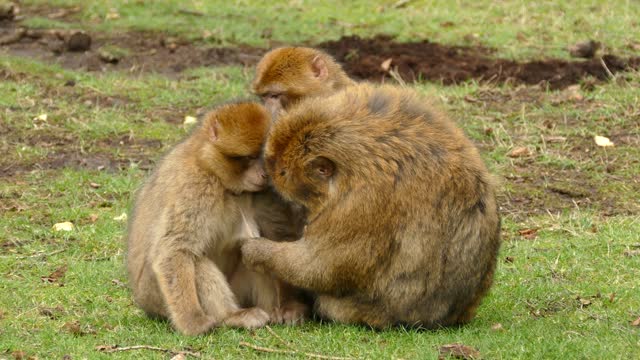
(251, 318)
(292, 313)
(195, 325)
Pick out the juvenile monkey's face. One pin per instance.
(276, 101)
(255, 177)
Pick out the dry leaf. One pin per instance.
(117, 282)
(584, 302)
(112, 15)
(528, 233)
(121, 217)
(555, 139)
(497, 327)
(636, 322)
(56, 275)
(93, 218)
(612, 297)
(41, 117)
(458, 351)
(189, 120)
(631, 253)
(386, 65)
(94, 185)
(509, 259)
(179, 356)
(63, 226)
(18, 354)
(602, 141)
(520, 151)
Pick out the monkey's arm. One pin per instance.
(301, 265)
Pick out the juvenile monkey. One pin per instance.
(183, 254)
(403, 226)
(288, 74)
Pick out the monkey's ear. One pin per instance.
(214, 129)
(319, 68)
(323, 167)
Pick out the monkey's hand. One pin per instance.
(256, 252)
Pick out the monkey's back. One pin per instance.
(415, 188)
(173, 198)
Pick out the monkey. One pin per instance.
(287, 75)
(403, 227)
(184, 237)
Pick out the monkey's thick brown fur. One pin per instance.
(183, 254)
(287, 75)
(403, 226)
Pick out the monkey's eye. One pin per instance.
(273, 96)
(244, 158)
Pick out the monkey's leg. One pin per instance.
(147, 294)
(218, 299)
(349, 311)
(297, 264)
(176, 276)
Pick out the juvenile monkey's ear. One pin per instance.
(319, 68)
(214, 129)
(323, 167)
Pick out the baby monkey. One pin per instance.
(403, 226)
(287, 75)
(184, 237)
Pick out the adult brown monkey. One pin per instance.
(403, 225)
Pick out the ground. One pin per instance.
(80, 130)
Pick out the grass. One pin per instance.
(568, 292)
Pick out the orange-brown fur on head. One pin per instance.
(232, 138)
(286, 75)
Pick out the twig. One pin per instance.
(293, 352)
(115, 348)
(283, 341)
(397, 77)
(606, 69)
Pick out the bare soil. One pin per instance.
(429, 61)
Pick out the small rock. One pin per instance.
(79, 41)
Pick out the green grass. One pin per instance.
(569, 293)
(515, 28)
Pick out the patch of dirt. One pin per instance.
(425, 60)
(138, 52)
(63, 151)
